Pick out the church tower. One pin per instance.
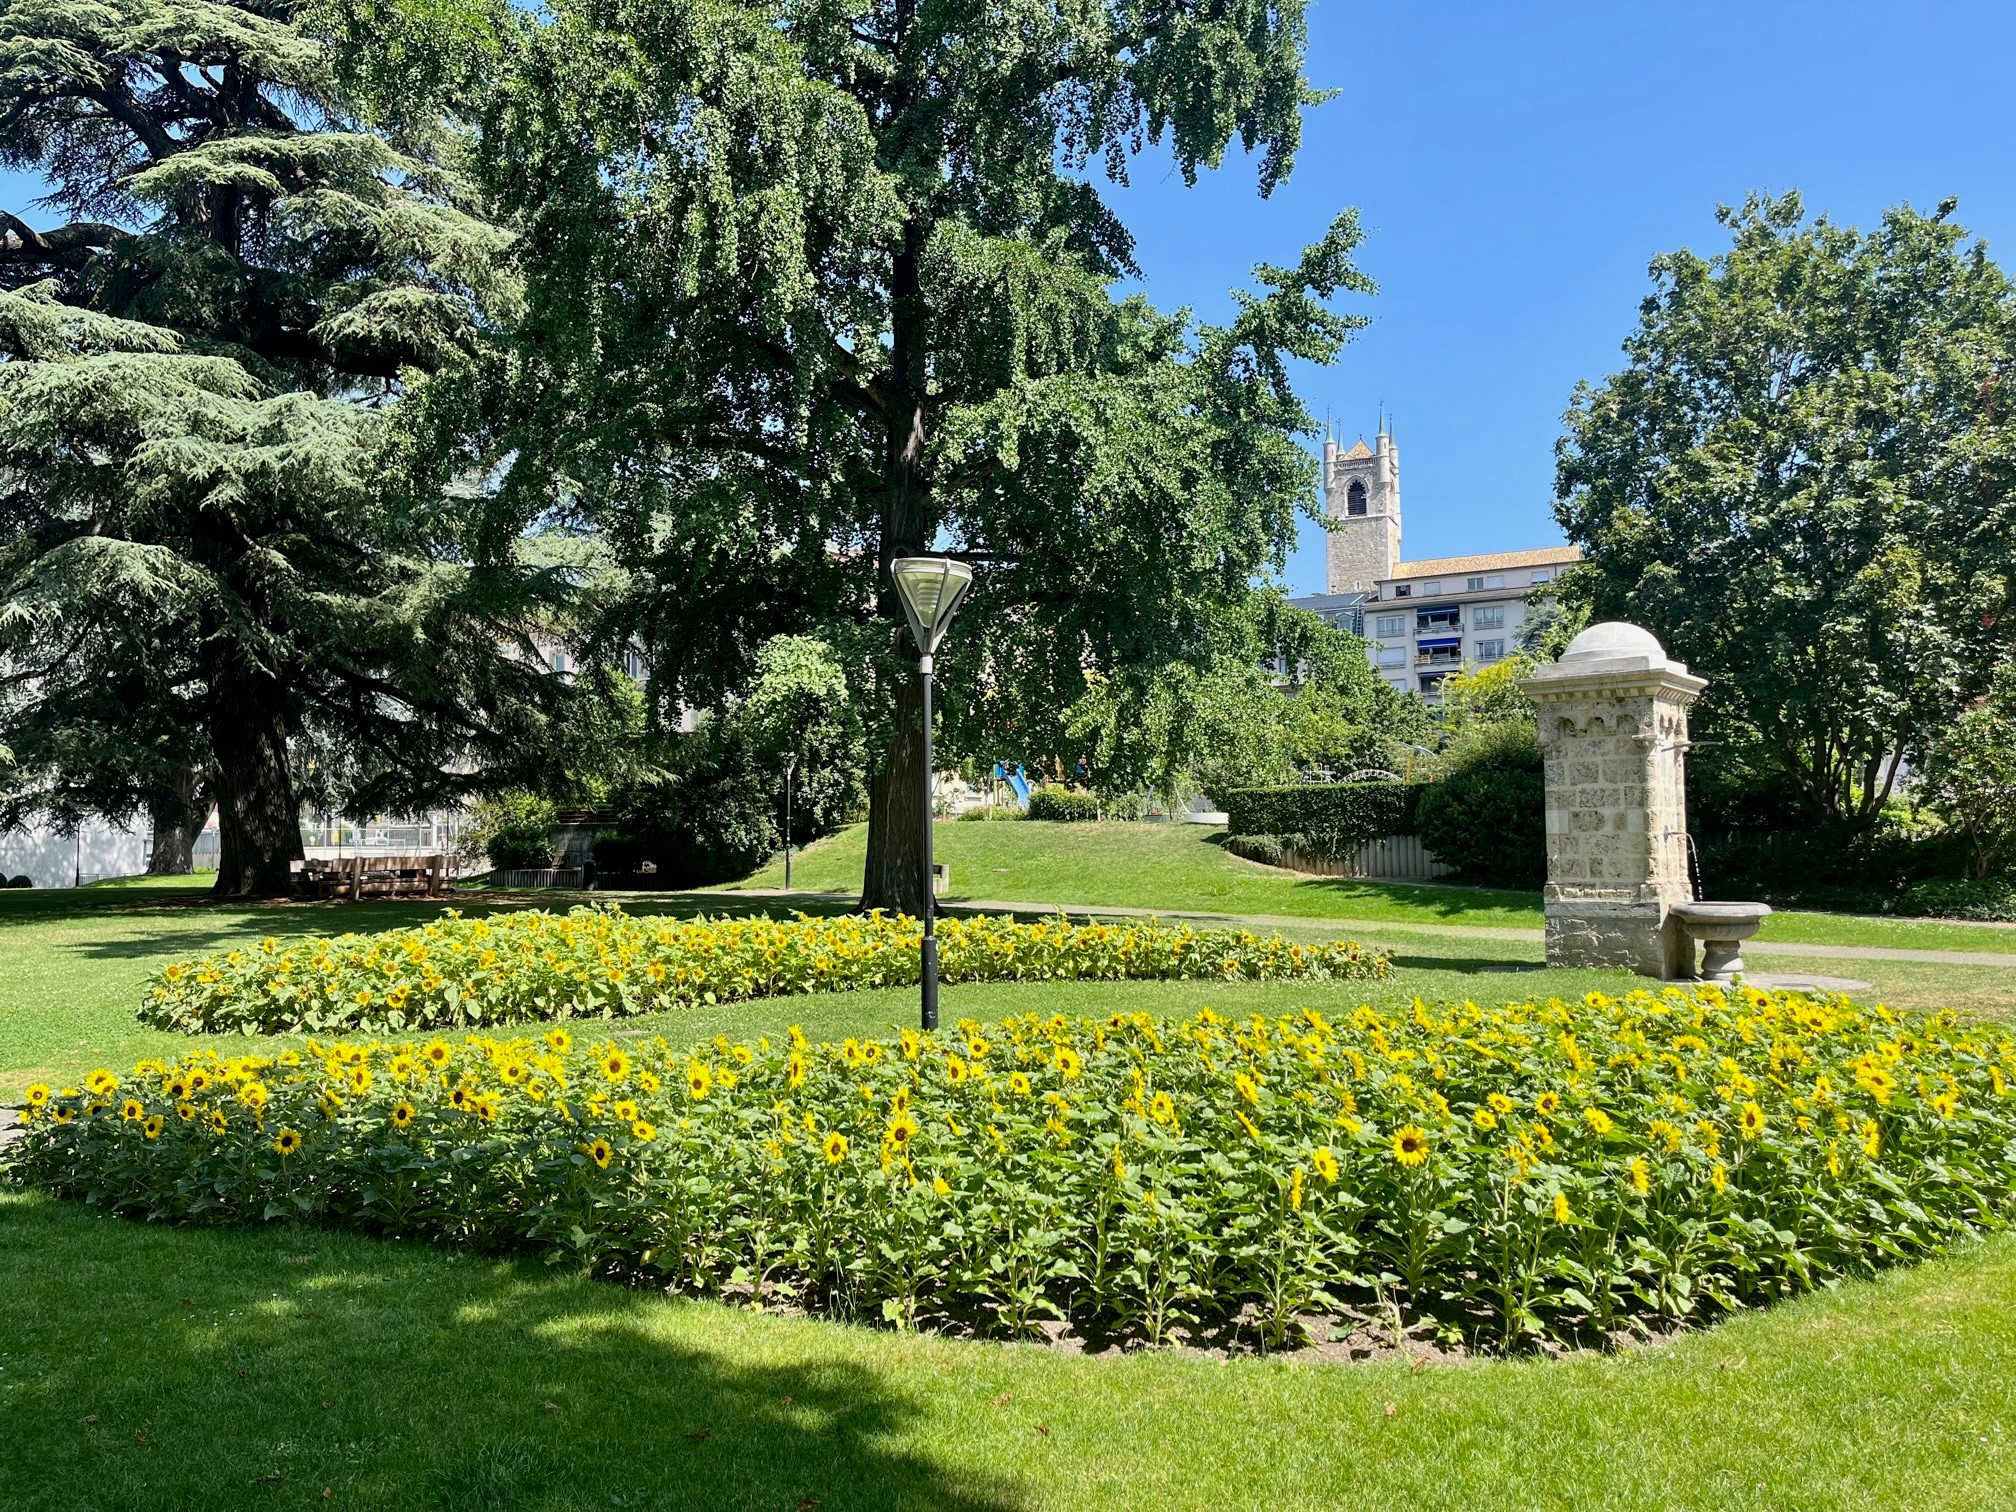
(1361, 491)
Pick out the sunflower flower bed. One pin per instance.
(458, 973)
(1540, 1169)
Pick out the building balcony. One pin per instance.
(1449, 659)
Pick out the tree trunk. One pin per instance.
(893, 875)
(178, 816)
(258, 819)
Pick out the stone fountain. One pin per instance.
(1613, 732)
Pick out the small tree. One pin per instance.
(1970, 775)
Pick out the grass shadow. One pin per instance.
(236, 1368)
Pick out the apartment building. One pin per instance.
(1423, 620)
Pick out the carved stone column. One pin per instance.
(1613, 729)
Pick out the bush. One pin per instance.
(1336, 817)
(1062, 805)
(1570, 1170)
(1487, 817)
(516, 832)
(21, 881)
(457, 972)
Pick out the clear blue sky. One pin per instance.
(1518, 164)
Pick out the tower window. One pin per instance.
(1354, 499)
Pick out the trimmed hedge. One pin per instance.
(1062, 805)
(1339, 815)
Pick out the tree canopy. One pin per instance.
(201, 553)
(810, 286)
(1804, 481)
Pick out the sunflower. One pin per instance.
(626, 1110)
(794, 1070)
(102, 1083)
(186, 1112)
(152, 1127)
(287, 1141)
(1019, 1083)
(1162, 1108)
(437, 1054)
(900, 1131)
(955, 1070)
(402, 1114)
(1324, 1164)
(835, 1148)
(599, 1152)
(1247, 1087)
(1598, 1120)
(1070, 1063)
(1562, 1212)
(1500, 1103)
(1410, 1145)
(64, 1113)
(1641, 1175)
(1484, 1118)
(559, 1041)
(1751, 1124)
(1548, 1103)
(37, 1094)
(699, 1080)
(615, 1064)
(643, 1132)
(131, 1111)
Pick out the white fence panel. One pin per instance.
(1391, 858)
(98, 850)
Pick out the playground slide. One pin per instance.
(1017, 783)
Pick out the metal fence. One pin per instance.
(1392, 858)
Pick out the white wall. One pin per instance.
(98, 849)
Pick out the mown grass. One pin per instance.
(1186, 867)
(146, 1368)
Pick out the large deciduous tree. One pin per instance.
(1804, 481)
(815, 284)
(199, 555)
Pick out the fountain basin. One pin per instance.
(1721, 928)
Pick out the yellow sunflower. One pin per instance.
(835, 1148)
(287, 1141)
(1410, 1145)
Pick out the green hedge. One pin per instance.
(1344, 814)
(1062, 805)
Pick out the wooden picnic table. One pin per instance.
(377, 874)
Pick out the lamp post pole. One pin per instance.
(930, 945)
(790, 763)
(930, 588)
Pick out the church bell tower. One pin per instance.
(1361, 492)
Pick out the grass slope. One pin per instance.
(143, 1368)
(1184, 866)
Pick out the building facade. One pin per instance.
(1421, 621)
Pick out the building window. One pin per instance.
(1392, 656)
(1399, 685)
(1496, 580)
(1354, 499)
(1473, 585)
(1431, 588)
(1487, 617)
(1543, 577)
(559, 661)
(1490, 650)
(1392, 624)
(1403, 590)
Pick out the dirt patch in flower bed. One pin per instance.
(1542, 1174)
(601, 962)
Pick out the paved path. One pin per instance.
(1778, 948)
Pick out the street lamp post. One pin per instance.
(930, 588)
(790, 762)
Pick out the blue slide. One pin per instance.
(1017, 783)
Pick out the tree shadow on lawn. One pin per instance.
(175, 1367)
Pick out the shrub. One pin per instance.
(516, 832)
(1062, 805)
(1265, 849)
(21, 881)
(1487, 817)
(1567, 1170)
(1338, 817)
(588, 962)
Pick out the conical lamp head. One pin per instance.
(930, 588)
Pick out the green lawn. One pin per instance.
(146, 1368)
(257, 1369)
(1186, 867)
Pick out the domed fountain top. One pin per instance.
(1613, 649)
(1614, 638)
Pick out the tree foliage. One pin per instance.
(201, 555)
(1804, 481)
(1970, 775)
(813, 285)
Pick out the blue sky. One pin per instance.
(1518, 164)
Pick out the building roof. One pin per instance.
(1490, 561)
(1359, 449)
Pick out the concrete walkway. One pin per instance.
(1779, 948)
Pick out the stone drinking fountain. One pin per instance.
(1613, 731)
